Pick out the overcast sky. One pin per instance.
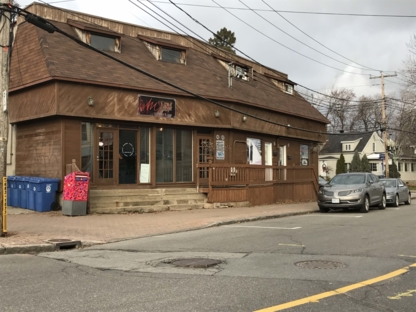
(376, 42)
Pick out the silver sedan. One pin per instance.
(352, 191)
(397, 192)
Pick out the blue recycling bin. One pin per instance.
(9, 190)
(14, 192)
(23, 185)
(42, 193)
(31, 195)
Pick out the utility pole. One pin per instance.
(5, 21)
(384, 128)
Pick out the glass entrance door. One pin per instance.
(127, 157)
(205, 152)
(105, 157)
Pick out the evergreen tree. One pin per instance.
(365, 164)
(340, 165)
(393, 172)
(355, 163)
(223, 39)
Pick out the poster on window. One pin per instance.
(254, 151)
(304, 155)
(155, 106)
(220, 150)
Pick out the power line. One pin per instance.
(294, 12)
(301, 42)
(312, 37)
(279, 43)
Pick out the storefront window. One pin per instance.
(183, 156)
(173, 155)
(144, 155)
(164, 155)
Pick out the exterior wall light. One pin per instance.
(217, 113)
(244, 118)
(90, 101)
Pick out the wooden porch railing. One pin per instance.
(232, 182)
(72, 167)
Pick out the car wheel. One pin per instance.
(396, 201)
(383, 203)
(366, 205)
(409, 200)
(323, 209)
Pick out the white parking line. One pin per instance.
(264, 227)
(334, 216)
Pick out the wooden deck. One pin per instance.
(259, 185)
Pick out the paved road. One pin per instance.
(266, 265)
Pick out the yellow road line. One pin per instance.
(292, 245)
(335, 292)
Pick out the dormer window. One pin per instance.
(286, 85)
(171, 55)
(96, 36)
(288, 88)
(240, 72)
(103, 43)
(235, 68)
(163, 50)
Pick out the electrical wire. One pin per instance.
(310, 37)
(272, 39)
(301, 42)
(295, 12)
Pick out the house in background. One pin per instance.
(406, 164)
(370, 144)
(136, 135)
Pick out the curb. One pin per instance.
(34, 249)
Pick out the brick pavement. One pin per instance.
(28, 231)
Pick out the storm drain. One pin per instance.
(321, 264)
(197, 263)
(61, 243)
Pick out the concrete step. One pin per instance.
(152, 198)
(145, 209)
(142, 203)
(135, 192)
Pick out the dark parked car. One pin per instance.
(358, 190)
(397, 192)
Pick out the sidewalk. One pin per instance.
(29, 231)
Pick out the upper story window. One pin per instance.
(165, 51)
(288, 88)
(235, 68)
(171, 55)
(374, 147)
(103, 43)
(96, 36)
(240, 72)
(282, 82)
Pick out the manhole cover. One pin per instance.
(195, 263)
(320, 264)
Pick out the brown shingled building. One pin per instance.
(138, 136)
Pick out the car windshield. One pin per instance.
(348, 179)
(389, 183)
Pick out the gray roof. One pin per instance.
(333, 144)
